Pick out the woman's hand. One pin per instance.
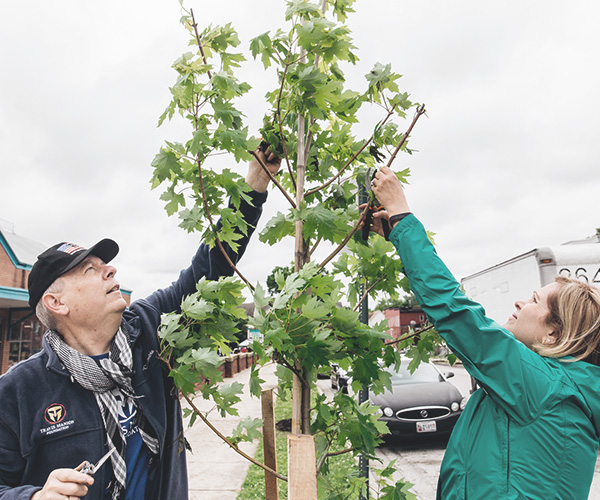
(389, 192)
(257, 178)
(376, 225)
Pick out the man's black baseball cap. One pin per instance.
(61, 258)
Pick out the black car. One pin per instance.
(422, 402)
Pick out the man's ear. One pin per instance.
(54, 304)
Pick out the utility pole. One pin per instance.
(363, 394)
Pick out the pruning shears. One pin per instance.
(91, 469)
(373, 206)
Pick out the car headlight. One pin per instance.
(463, 403)
(388, 412)
(454, 406)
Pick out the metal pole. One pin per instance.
(363, 394)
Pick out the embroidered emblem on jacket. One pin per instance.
(55, 413)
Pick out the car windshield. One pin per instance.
(424, 373)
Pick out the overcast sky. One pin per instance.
(508, 153)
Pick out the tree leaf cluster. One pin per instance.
(193, 339)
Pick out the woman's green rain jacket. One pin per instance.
(531, 431)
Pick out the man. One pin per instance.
(97, 386)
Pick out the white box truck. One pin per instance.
(498, 287)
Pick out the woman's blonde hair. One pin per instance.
(575, 318)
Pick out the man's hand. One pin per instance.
(257, 178)
(64, 484)
(389, 193)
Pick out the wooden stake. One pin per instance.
(297, 403)
(302, 469)
(270, 450)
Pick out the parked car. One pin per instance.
(421, 402)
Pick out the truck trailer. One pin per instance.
(498, 287)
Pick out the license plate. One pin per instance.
(426, 427)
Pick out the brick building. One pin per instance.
(20, 331)
(401, 320)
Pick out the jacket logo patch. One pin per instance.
(55, 413)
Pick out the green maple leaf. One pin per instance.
(174, 200)
(322, 222)
(301, 8)
(206, 361)
(166, 164)
(247, 430)
(198, 309)
(276, 229)
(262, 45)
(192, 219)
(315, 308)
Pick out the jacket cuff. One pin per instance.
(257, 198)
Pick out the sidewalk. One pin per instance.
(215, 471)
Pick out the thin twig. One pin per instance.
(339, 452)
(311, 251)
(397, 341)
(279, 121)
(367, 292)
(293, 370)
(420, 111)
(262, 164)
(323, 458)
(346, 239)
(199, 163)
(216, 431)
(212, 225)
(199, 43)
(234, 447)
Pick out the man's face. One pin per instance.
(91, 292)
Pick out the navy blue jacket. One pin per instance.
(47, 421)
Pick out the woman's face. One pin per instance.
(528, 322)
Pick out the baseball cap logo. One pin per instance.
(69, 248)
(55, 413)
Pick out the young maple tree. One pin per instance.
(311, 124)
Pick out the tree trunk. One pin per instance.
(301, 392)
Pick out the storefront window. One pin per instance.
(25, 340)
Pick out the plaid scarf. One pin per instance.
(101, 377)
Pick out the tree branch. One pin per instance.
(231, 445)
(367, 292)
(397, 341)
(420, 111)
(212, 225)
(199, 43)
(264, 167)
(314, 247)
(346, 239)
(279, 121)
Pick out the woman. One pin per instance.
(532, 430)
